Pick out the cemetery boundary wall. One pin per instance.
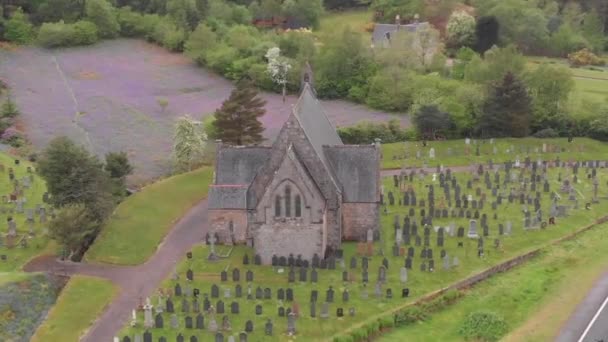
(476, 278)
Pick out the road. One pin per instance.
(589, 322)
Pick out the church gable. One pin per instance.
(292, 195)
(292, 134)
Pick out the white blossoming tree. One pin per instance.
(278, 68)
(189, 141)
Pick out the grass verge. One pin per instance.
(140, 223)
(537, 297)
(77, 307)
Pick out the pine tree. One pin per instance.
(507, 111)
(237, 120)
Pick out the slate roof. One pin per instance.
(357, 169)
(228, 196)
(315, 123)
(380, 31)
(239, 164)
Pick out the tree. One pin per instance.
(9, 108)
(102, 14)
(460, 29)
(74, 176)
(278, 68)
(430, 120)
(117, 165)
(18, 29)
(507, 110)
(593, 30)
(486, 33)
(71, 227)
(306, 12)
(496, 63)
(549, 86)
(237, 121)
(184, 13)
(389, 9)
(202, 40)
(188, 143)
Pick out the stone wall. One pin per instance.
(357, 218)
(219, 221)
(285, 239)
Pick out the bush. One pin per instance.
(546, 133)
(13, 137)
(133, 24)
(58, 34)
(584, 57)
(103, 15)
(9, 108)
(169, 35)
(366, 132)
(483, 326)
(18, 29)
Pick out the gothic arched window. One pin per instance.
(277, 206)
(298, 204)
(287, 201)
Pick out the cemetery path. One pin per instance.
(136, 282)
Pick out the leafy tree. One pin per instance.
(188, 143)
(71, 227)
(460, 29)
(202, 40)
(237, 120)
(550, 87)
(102, 14)
(566, 40)
(278, 68)
(74, 176)
(389, 9)
(496, 63)
(521, 23)
(593, 30)
(55, 10)
(507, 110)
(486, 33)
(430, 121)
(18, 29)
(184, 12)
(58, 34)
(308, 12)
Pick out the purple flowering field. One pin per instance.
(105, 97)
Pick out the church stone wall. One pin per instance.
(285, 239)
(357, 218)
(220, 223)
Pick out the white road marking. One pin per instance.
(599, 311)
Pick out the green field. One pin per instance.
(420, 283)
(524, 295)
(77, 307)
(140, 222)
(394, 155)
(334, 23)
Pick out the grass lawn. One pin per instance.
(537, 297)
(77, 307)
(140, 223)
(334, 23)
(579, 149)
(419, 283)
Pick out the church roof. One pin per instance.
(228, 196)
(239, 164)
(314, 121)
(357, 170)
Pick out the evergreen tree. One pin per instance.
(486, 33)
(237, 120)
(507, 111)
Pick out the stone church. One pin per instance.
(303, 195)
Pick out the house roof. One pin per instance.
(238, 165)
(228, 196)
(380, 30)
(357, 170)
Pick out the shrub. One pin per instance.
(483, 326)
(58, 34)
(18, 29)
(103, 15)
(366, 132)
(167, 34)
(584, 57)
(9, 108)
(133, 24)
(546, 133)
(13, 137)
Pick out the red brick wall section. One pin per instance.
(220, 220)
(357, 218)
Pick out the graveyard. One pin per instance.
(24, 212)
(437, 228)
